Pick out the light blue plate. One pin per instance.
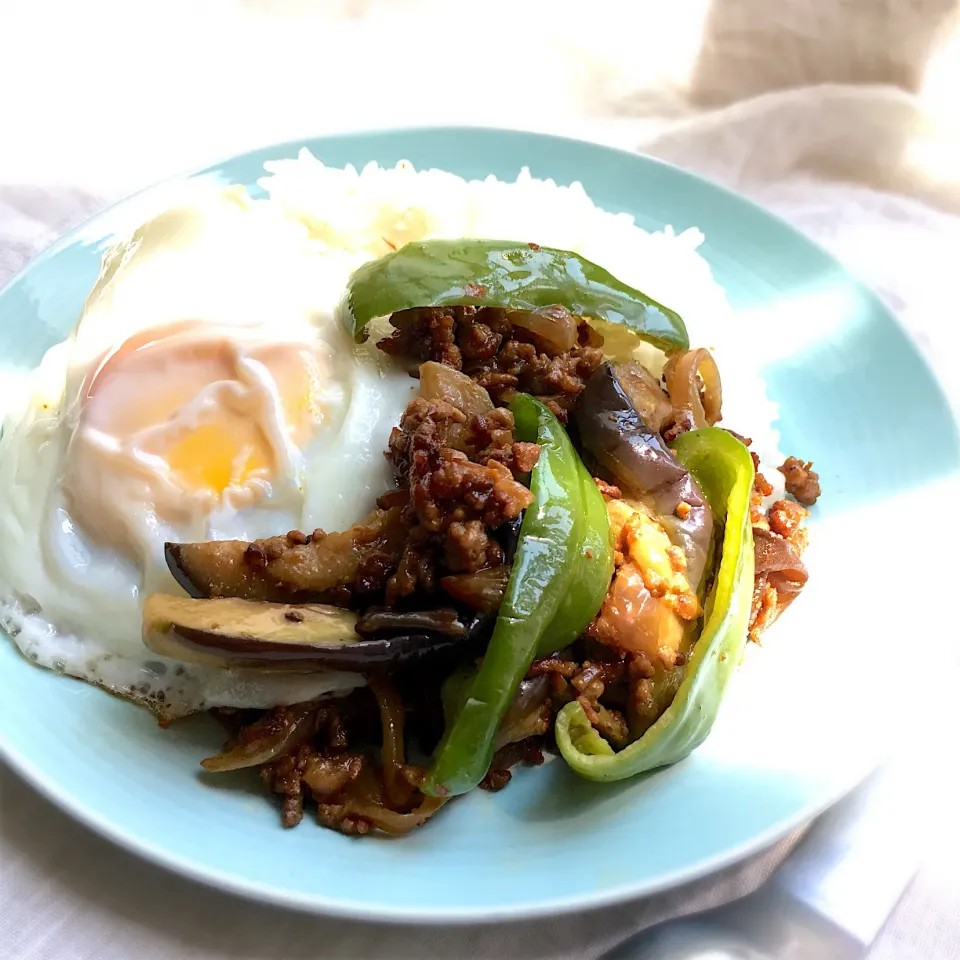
(809, 713)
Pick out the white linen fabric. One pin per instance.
(838, 116)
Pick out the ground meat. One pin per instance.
(480, 340)
(445, 486)
(761, 490)
(528, 752)
(469, 548)
(764, 608)
(283, 776)
(640, 667)
(760, 483)
(373, 572)
(425, 425)
(432, 431)
(301, 772)
(457, 504)
(425, 334)
(608, 490)
(462, 481)
(587, 681)
(679, 421)
(612, 726)
(393, 498)
(801, 481)
(548, 665)
(786, 518)
(780, 537)
(520, 366)
(305, 772)
(351, 789)
(417, 568)
(490, 435)
(501, 357)
(495, 780)
(524, 456)
(336, 816)
(590, 684)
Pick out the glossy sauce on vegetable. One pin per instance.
(615, 438)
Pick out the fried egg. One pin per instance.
(207, 392)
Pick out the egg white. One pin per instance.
(232, 265)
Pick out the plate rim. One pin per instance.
(615, 894)
(188, 173)
(621, 894)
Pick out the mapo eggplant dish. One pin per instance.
(571, 559)
(402, 506)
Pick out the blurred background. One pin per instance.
(120, 92)
(842, 116)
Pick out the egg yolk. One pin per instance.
(183, 420)
(213, 458)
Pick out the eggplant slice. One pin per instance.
(287, 569)
(616, 442)
(231, 632)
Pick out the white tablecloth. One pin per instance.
(840, 117)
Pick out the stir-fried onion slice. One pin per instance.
(554, 326)
(398, 789)
(272, 736)
(389, 821)
(693, 383)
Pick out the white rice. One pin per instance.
(360, 215)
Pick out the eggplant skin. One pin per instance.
(231, 632)
(619, 446)
(444, 620)
(172, 553)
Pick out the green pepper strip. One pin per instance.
(589, 580)
(588, 586)
(548, 597)
(506, 274)
(724, 470)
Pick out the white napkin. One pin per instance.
(836, 116)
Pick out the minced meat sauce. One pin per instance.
(503, 357)
(458, 485)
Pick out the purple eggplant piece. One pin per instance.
(616, 443)
(251, 634)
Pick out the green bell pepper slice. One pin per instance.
(554, 531)
(505, 274)
(723, 468)
(593, 548)
(594, 570)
